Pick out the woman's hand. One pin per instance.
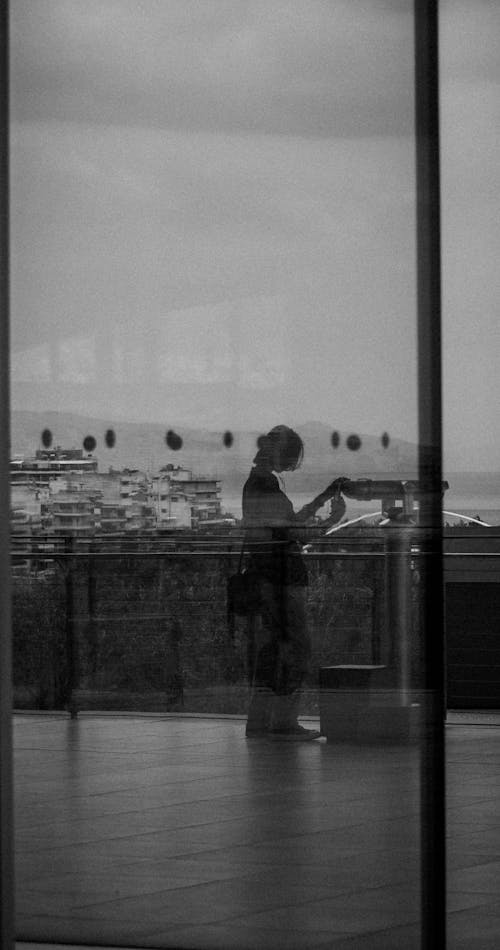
(337, 509)
(332, 493)
(336, 487)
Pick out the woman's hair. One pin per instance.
(282, 447)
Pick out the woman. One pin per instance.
(279, 646)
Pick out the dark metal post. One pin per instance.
(433, 871)
(6, 776)
(397, 581)
(92, 635)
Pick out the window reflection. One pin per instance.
(213, 234)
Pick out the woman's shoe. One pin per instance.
(295, 732)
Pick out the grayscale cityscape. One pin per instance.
(250, 475)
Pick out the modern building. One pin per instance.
(49, 465)
(22, 528)
(25, 522)
(71, 512)
(185, 500)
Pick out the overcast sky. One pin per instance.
(213, 214)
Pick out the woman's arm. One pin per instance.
(332, 491)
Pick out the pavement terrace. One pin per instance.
(163, 831)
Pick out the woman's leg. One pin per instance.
(260, 693)
(295, 656)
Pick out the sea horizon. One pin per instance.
(484, 502)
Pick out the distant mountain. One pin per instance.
(143, 446)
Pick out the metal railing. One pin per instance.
(142, 622)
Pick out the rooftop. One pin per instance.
(175, 831)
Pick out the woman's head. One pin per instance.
(281, 448)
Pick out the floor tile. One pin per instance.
(483, 878)
(148, 830)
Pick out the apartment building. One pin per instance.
(186, 500)
(48, 465)
(68, 495)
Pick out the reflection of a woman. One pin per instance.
(279, 649)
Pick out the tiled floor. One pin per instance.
(178, 832)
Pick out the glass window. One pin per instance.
(214, 305)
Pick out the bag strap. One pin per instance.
(230, 611)
(240, 562)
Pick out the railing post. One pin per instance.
(398, 610)
(71, 645)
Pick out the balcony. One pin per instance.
(142, 623)
(144, 816)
